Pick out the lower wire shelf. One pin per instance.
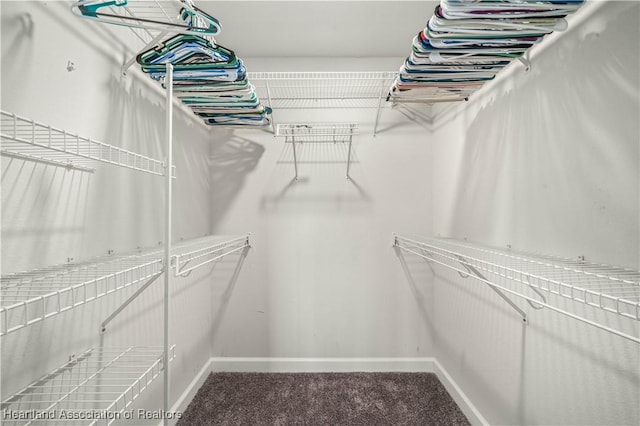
(544, 281)
(29, 297)
(93, 388)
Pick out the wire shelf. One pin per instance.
(316, 132)
(31, 297)
(197, 253)
(609, 288)
(292, 90)
(93, 388)
(27, 139)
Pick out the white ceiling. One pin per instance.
(319, 28)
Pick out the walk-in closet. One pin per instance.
(320, 212)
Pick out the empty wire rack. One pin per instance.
(33, 296)
(194, 254)
(317, 132)
(93, 388)
(309, 90)
(322, 89)
(542, 280)
(30, 140)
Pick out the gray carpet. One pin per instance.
(305, 399)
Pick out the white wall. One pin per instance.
(50, 214)
(547, 161)
(322, 279)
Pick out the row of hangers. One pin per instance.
(467, 42)
(207, 77)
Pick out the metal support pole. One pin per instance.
(153, 42)
(295, 156)
(349, 155)
(273, 122)
(167, 232)
(375, 126)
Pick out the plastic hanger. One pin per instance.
(185, 50)
(197, 21)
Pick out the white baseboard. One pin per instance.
(187, 396)
(465, 404)
(322, 365)
(326, 365)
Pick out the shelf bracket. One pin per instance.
(295, 156)
(349, 155)
(103, 326)
(382, 90)
(526, 62)
(472, 270)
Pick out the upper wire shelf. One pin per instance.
(30, 140)
(322, 89)
(93, 388)
(316, 132)
(542, 280)
(197, 253)
(33, 296)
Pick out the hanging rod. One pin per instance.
(612, 289)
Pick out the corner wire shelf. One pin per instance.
(200, 252)
(317, 133)
(27, 139)
(309, 90)
(93, 388)
(608, 288)
(31, 297)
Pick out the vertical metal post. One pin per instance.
(273, 122)
(295, 157)
(375, 126)
(167, 236)
(349, 154)
(131, 60)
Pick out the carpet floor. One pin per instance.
(306, 399)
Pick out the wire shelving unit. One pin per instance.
(33, 296)
(544, 281)
(30, 140)
(309, 90)
(317, 133)
(93, 388)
